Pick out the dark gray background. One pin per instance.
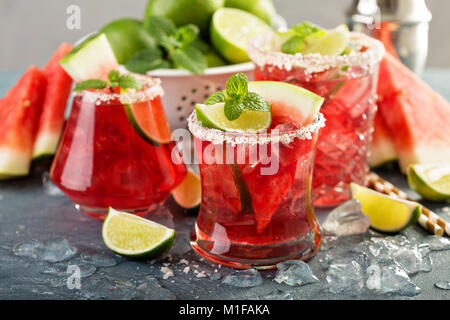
(31, 30)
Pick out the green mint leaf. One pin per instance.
(114, 84)
(256, 102)
(293, 45)
(200, 45)
(162, 30)
(306, 28)
(113, 76)
(187, 34)
(189, 58)
(129, 82)
(217, 97)
(233, 109)
(237, 86)
(147, 60)
(90, 84)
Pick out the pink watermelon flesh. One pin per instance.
(417, 117)
(382, 148)
(52, 118)
(19, 116)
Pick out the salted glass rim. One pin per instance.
(152, 89)
(236, 137)
(263, 51)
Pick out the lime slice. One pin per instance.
(149, 121)
(431, 181)
(230, 31)
(92, 59)
(188, 194)
(387, 214)
(213, 116)
(333, 43)
(133, 236)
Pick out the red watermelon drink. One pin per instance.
(342, 67)
(256, 174)
(117, 152)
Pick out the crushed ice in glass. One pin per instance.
(52, 250)
(244, 278)
(444, 285)
(294, 273)
(347, 219)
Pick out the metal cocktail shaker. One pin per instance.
(402, 26)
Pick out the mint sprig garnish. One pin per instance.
(179, 47)
(114, 80)
(237, 98)
(302, 32)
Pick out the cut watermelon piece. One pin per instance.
(382, 148)
(52, 118)
(19, 116)
(92, 59)
(417, 117)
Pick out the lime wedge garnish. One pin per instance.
(213, 116)
(188, 194)
(387, 214)
(333, 43)
(231, 29)
(133, 236)
(149, 121)
(431, 181)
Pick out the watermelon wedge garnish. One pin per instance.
(52, 118)
(382, 147)
(417, 117)
(19, 116)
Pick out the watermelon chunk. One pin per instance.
(382, 148)
(417, 117)
(55, 102)
(19, 116)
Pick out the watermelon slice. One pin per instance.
(382, 148)
(417, 117)
(55, 102)
(19, 117)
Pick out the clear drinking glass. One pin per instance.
(103, 161)
(348, 84)
(256, 208)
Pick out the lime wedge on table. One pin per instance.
(431, 181)
(133, 236)
(213, 116)
(386, 213)
(333, 43)
(231, 29)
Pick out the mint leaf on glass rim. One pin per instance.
(129, 82)
(217, 97)
(255, 102)
(189, 58)
(147, 60)
(237, 86)
(306, 28)
(90, 84)
(233, 109)
(293, 45)
(113, 76)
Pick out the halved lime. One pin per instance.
(387, 214)
(431, 181)
(213, 116)
(188, 194)
(133, 236)
(92, 59)
(231, 29)
(334, 42)
(149, 121)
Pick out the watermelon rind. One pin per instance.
(13, 164)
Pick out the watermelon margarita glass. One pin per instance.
(117, 152)
(256, 207)
(348, 84)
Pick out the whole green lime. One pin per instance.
(127, 36)
(181, 12)
(263, 9)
